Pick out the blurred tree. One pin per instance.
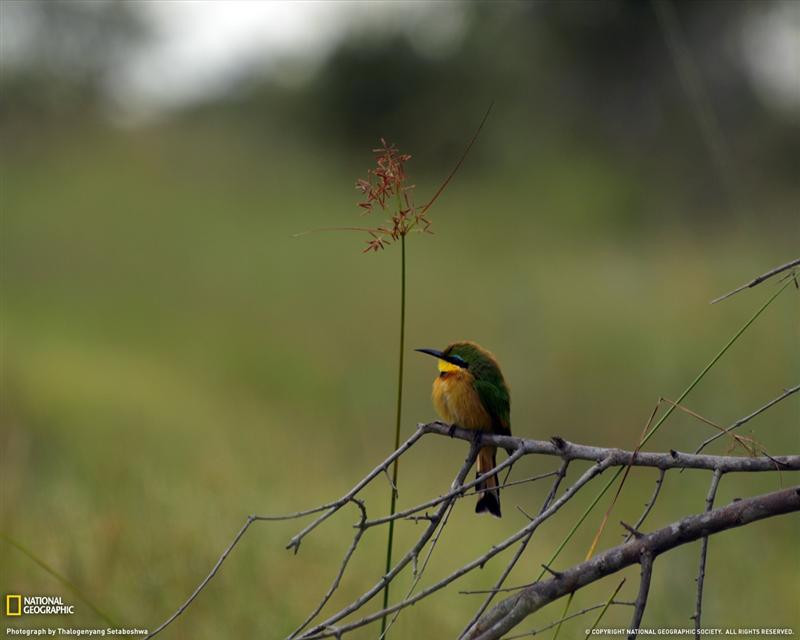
(601, 73)
(58, 56)
(588, 81)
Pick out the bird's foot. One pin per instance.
(477, 437)
(452, 430)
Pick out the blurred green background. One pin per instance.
(173, 359)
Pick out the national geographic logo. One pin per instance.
(13, 605)
(18, 605)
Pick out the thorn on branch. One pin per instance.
(559, 442)
(673, 453)
(389, 480)
(525, 513)
(425, 516)
(633, 531)
(553, 572)
(488, 555)
(294, 545)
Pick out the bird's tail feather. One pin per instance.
(489, 500)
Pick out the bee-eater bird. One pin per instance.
(470, 392)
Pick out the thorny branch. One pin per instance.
(646, 563)
(759, 279)
(701, 571)
(329, 509)
(603, 458)
(648, 507)
(562, 471)
(620, 457)
(587, 476)
(511, 611)
(348, 554)
(326, 627)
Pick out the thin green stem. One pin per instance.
(399, 412)
(603, 610)
(62, 579)
(714, 360)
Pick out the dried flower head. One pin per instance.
(386, 185)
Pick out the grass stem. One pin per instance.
(60, 578)
(399, 412)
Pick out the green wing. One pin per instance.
(496, 400)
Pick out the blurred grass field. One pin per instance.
(174, 359)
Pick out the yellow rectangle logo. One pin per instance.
(13, 605)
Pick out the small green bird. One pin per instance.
(470, 392)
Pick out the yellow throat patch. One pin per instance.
(447, 367)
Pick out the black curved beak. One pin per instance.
(432, 352)
(438, 354)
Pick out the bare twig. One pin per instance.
(323, 629)
(567, 451)
(759, 279)
(328, 508)
(348, 554)
(540, 476)
(641, 548)
(511, 611)
(458, 491)
(750, 447)
(621, 457)
(646, 563)
(417, 573)
(555, 623)
(250, 520)
(701, 571)
(333, 507)
(747, 418)
(648, 507)
(587, 476)
(560, 474)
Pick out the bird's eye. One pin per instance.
(460, 362)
